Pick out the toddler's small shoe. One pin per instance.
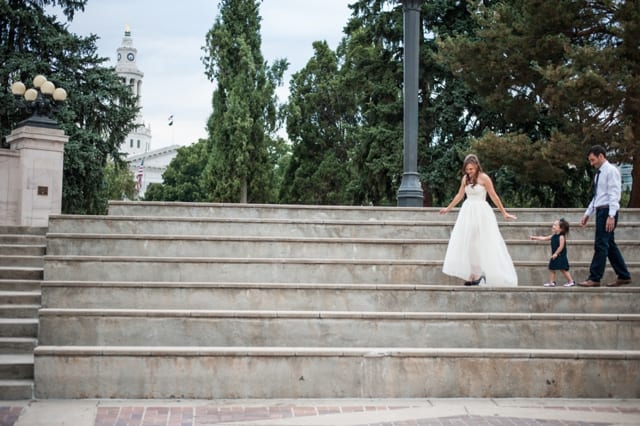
(570, 284)
(551, 284)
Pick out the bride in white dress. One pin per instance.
(477, 252)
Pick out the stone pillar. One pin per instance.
(410, 191)
(36, 181)
(9, 171)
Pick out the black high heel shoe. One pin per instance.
(477, 282)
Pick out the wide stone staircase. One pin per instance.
(180, 300)
(22, 252)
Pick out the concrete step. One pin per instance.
(181, 209)
(145, 327)
(22, 249)
(21, 261)
(19, 285)
(17, 345)
(277, 270)
(311, 227)
(21, 269)
(18, 327)
(340, 297)
(22, 239)
(16, 366)
(19, 311)
(19, 298)
(23, 230)
(280, 247)
(13, 390)
(13, 273)
(298, 372)
(211, 301)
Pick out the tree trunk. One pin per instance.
(243, 191)
(427, 199)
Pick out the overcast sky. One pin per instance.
(169, 37)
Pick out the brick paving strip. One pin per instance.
(239, 414)
(208, 415)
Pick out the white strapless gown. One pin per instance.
(476, 246)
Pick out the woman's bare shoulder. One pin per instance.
(483, 178)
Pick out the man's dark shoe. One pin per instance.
(620, 281)
(589, 283)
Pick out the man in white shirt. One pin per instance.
(605, 204)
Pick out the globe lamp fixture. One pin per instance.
(41, 101)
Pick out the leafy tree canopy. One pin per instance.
(182, 181)
(100, 110)
(317, 119)
(558, 77)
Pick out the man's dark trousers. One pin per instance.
(605, 247)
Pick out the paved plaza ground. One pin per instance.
(356, 412)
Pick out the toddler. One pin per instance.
(559, 260)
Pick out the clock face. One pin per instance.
(130, 56)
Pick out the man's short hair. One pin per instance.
(597, 150)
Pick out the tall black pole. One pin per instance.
(410, 192)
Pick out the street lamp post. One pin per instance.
(410, 191)
(41, 100)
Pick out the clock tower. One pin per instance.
(139, 140)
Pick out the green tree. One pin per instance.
(317, 118)
(245, 115)
(182, 180)
(372, 74)
(280, 155)
(450, 113)
(558, 76)
(119, 182)
(99, 111)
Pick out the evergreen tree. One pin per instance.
(317, 117)
(450, 113)
(100, 110)
(372, 74)
(245, 115)
(558, 76)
